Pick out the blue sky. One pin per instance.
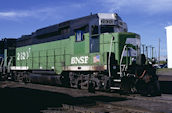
(145, 17)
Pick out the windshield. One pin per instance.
(107, 29)
(134, 44)
(111, 29)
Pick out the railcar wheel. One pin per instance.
(65, 79)
(79, 84)
(107, 86)
(91, 86)
(26, 79)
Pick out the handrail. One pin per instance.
(110, 50)
(122, 55)
(9, 63)
(1, 61)
(5, 60)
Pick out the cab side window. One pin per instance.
(94, 30)
(94, 39)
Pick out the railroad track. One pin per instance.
(100, 102)
(99, 108)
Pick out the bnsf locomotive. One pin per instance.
(93, 52)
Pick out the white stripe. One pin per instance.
(85, 68)
(115, 88)
(117, 80)
(19, 67)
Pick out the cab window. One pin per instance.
(94, 30)
(94, 39)
(107, 29)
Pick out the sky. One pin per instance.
(148, 18)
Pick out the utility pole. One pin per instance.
(159, 53)
(143, 48)
(147, 52)
(156, 56)
(152, 52)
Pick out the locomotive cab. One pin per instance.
(127, 68)
(125, 63)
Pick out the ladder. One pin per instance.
(116, 84)
(123, 67)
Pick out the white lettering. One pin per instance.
(18, 56)
(73, 60)
(79, 60)
(82, 60)
(23, 55)
(86, 59)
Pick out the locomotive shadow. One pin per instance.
(165, 83)
(166, 87)
(22, 100)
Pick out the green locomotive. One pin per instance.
(93, 52)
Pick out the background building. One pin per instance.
(169, 45)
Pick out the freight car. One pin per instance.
(93, 52)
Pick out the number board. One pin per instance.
(107, 22)
(79, 36)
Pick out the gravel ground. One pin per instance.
(35, 98)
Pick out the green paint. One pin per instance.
(5, 56)
(58, 54)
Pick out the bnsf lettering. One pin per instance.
(79, 60)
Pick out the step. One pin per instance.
(115, 88)
(119, 73)
(117, 80)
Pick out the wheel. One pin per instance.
(79, 84)
(65, 79)
(26, 79)
(107, 86)
(91, 86)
